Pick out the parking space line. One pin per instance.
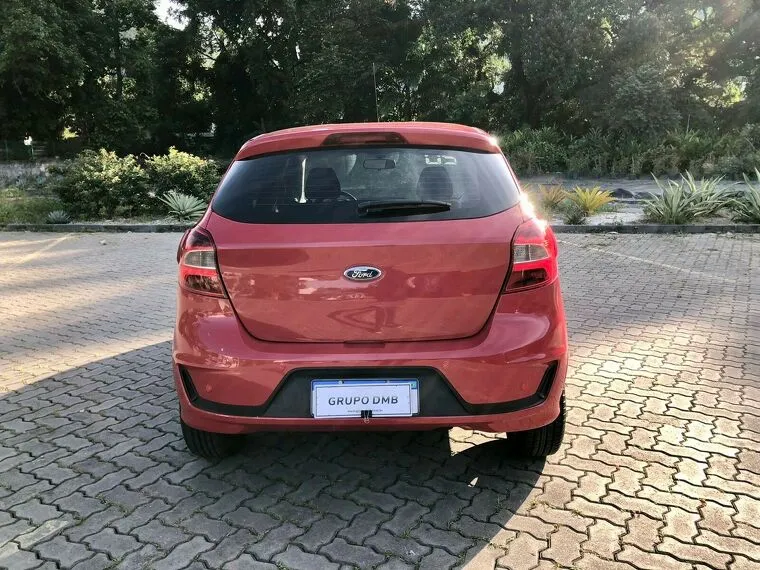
(649, 262)
(36, 254)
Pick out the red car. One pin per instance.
(379, 276)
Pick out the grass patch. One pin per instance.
(17, 207)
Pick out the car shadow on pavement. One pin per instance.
(109, 431)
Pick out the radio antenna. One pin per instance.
(374, 80)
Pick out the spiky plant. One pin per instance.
(58, 217)
(550, 197)
(182, 207)
(746, 208)
(686, 200)
(573, 214)
(590, 200)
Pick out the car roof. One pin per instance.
(444, 135)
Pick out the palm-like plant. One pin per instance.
(590, 200)
(182, 207)
(746, 208)
(686, 200)
(551, 197)
(58, 217)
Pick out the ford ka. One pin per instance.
(374, 276)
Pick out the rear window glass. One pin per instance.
(330, 186)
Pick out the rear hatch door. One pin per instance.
(302, 263)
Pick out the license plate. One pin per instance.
(352, 398)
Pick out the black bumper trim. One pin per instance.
(292, 397)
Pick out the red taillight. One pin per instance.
(344, 139)
(534, 257)
(197, 264)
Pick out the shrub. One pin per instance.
(685, 201)
(590, 154)
(183, 173)
(574, 214)
(746, 207)
(735, 154)
(602, 153)
(533, 151)
(102, 185)
(58, 217)
(589, 200)
(182, 207)
(18, 208)
(551, 197)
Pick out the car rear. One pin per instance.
(382, 276)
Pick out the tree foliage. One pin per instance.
(118, 77)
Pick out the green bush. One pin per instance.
(573, 214)
(735, 154)
(599, 153)
(183, 173)
(102, 185)
(533, 151)
(590, 154)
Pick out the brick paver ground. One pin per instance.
(660, 468)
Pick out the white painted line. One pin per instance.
(649, 262)
(42, 250)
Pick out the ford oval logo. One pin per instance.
(362, 273)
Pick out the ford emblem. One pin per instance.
(362, 273)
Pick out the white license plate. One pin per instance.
(352, 398)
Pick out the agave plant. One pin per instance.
(58, 217)
(711, 197)
(746, 208)
(182, 207)
(590, 200)
(686, 200)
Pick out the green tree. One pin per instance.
(40, 64)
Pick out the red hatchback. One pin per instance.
(370, 276)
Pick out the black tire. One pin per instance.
(210, 445)
(542, 441)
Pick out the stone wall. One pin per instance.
(12, 173)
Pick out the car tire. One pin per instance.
(210, 445)
(542, 441)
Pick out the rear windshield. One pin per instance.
(330, 186)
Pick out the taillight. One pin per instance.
(197, 264)
(534, 257)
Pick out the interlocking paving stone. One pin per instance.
(62, 551)
(115, 545)
(248, 562)
(12, 557)
(274, 541)
(229, 548)
(660, 468)
(179, 557)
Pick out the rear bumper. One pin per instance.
(509, 377)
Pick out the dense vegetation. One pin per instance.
(587, 86)
(99, 185)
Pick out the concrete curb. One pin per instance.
(558, 228)
(89, 228)
(658, 229)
